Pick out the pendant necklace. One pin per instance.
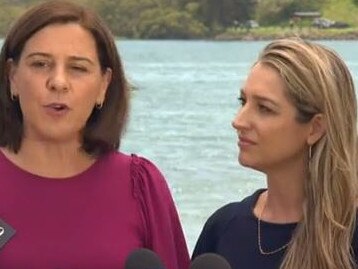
(259, 237)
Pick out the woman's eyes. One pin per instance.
(79, 68)
(242, 100)
(264, 109)
(260, 107)
(46, 64)
(40, 64)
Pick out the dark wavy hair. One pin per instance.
(103, 130)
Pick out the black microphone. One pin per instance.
(143, 258)
(210, 261)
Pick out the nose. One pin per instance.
(242, 119)
(57, 80)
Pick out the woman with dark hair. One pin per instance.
(68, 198)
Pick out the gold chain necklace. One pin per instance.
(263, 252)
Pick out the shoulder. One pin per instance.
(145, 170)
(355, 240)
(147, 180)
(221, 220)
(138, 169)
(114, 159)
(132, 161)
(144, 164)
(224, 215)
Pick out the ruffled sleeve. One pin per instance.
(162, 229)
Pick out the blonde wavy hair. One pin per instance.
(318, 81)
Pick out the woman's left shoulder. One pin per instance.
(115, 159)
(142, 163)
(146, 175)
(118, 158)
(142, 174)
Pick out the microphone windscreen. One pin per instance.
(143, 259)
(210, 261)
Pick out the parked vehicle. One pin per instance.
(340, 24)
(251, 24)
(324, 23)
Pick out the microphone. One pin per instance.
(210, 261)
(143, 258)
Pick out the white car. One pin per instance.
(322, 23)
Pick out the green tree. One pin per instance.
(169, 23)
(225, 12)
(277, 11)
(273, 11)
(8, 14)
(149, 19)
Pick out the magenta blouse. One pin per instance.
(89, 221)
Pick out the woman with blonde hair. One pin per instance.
(298, 125)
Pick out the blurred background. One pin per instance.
(215, 19)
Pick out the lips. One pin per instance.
(56, 109)
(57, 106)
(245, 142)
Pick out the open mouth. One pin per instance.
(57, 107)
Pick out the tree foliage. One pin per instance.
(225, 12)
(169, 23)
(8, 15)
(273, 12)
(270, 12)
(176, 18)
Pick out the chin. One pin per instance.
(244, 162)
(248, 163)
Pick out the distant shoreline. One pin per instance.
(270, 33)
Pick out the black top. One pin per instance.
(232, 232)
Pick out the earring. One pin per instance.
(13, 97)
(99, 106)
(310, 152)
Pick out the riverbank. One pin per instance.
(270, 33)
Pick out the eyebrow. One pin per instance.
(47, 55)
(260, 98)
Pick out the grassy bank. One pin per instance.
(341, 10)
(269, 33)
(337, 10)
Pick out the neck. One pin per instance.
(284, 198)
(53, 160)
(283, 205)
